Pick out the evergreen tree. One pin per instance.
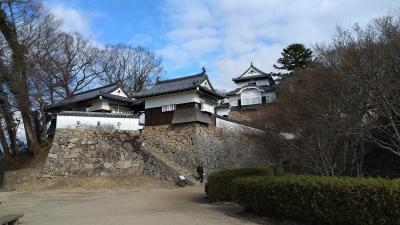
(294, 56)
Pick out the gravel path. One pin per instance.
(140, 205)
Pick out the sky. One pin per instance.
(224, 36)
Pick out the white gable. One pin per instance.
(251, 72)
(206, 84)
(119, 92)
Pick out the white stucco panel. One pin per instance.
(250, 97)
(119, 92)
(99, 105)
(97, 122)
(178, 98)
(222, 111)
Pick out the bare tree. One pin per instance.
(312, 128)
(68, 65)
(12, 16)
(135, 68)
(369, 57)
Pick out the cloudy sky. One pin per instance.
(224, 35)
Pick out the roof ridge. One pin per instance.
(181, 78)
(252, 66)
(95, 89)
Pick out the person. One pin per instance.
(200, 172)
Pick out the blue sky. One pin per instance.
(224, 35)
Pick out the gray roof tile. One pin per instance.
(91, 94)
(177, 85)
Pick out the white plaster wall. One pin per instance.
(179, 98)
(262, 82)
(250, 97)
(99, 105)
(241, 84)
(119, 92)
(233, 100)
(120, 109)
(206, 84)
(232, 126)
(271, 96)
(207, 107)
(222, 111)
(91, 122)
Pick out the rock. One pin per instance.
(53, 156)
(89, 166)
(73, 140)
(123, 164)
(108, 165)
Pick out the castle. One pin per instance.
(97, 132)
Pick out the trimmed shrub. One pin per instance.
(279, 170)
(219, 185)
(322, 200)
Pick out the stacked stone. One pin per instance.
(188, 145)
(84, 152)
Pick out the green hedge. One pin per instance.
(322, 200)
(219, 185)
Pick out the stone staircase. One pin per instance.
(171, 165)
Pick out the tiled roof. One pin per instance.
(178, 85)
(255, 77)
(263, 87)
(261, 75)
(91, 94)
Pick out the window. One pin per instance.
(264, 99)
(168, 108)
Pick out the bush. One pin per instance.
(322, 200)
(219, 185)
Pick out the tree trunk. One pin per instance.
(4, 144)
(17, 79)
(5, 107)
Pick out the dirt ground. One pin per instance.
(119, 201)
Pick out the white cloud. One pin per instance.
(74, 20)
(227, 34)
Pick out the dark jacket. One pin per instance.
(200, 170)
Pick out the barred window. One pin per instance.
(168, 108)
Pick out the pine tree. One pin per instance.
(294, 56)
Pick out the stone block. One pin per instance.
(89, 166)
(108, 165)
(73, 140)
(123, 164)
(52, 156)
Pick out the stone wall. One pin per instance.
(12, 178)
(96, 152)
(250, 116)
(190, 144)
(90, 152)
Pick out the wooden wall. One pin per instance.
(155, 116)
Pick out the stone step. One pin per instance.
(181, 170)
